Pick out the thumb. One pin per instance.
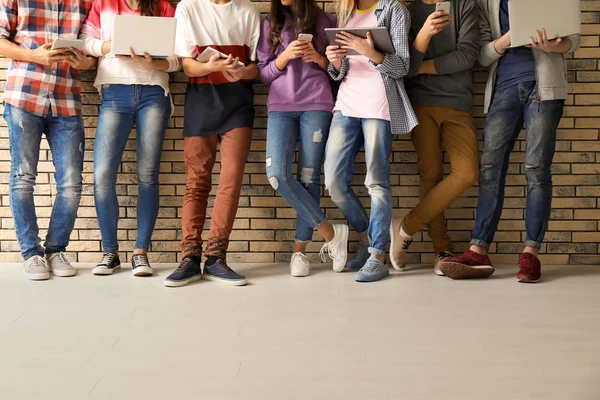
(46, 46)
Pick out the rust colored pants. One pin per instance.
(455, 129)
(200, 154)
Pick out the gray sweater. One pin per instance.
(550, 68)
(454, 51)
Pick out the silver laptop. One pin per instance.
(559, 17)
(153, 35)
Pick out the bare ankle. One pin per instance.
(531, 250)
(326, 230)
(478, 249)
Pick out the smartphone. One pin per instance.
(209, 52)
(305, 37)
(60, 43)
(443, 6)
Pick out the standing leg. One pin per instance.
(115, 122)
(541, 119)
(234, 147)
(66, 137)
(152, 118)
(378, 147)
(25, 134)
(199, 153)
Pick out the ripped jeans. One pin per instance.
(65, 136)
(284, 131)
(509, 109)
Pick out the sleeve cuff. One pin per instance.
(490, 54)
(174, 64)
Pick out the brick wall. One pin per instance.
(264, 229)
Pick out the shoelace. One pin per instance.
(107, 258)
(62, 258)
(406, 243)
(184, 264)
(443, 255)
(303, 260)
(223, 265)
(369, 267)
(326, 249)
(39, 262)
(140, 260)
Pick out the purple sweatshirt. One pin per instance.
(300, 86)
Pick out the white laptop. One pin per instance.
(153, 35)
(559, 17)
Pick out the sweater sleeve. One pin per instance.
(174, 61)
(467, 46)
(416, 57)
(91, 31)
(267, 70)
(487, 52)
(397, 65)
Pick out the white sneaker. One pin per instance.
(299, 265)
(337, 249)
(35, 269)
(439, 258)
(59, 265)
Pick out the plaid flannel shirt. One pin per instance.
(31, 23)
(396, 18)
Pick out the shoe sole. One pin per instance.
(64, 274)
(228, 282)
(105, 271)
(373, 280)
(395, 230)
(300, 274)
(143, 271)
(527, 280)
(38, 277)
(461, 271)
(438, 272)
(184, 282)
(345, 240)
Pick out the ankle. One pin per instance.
(404, 234)
(378, 257)
(364, 239)
(531, 250)
(140, 251)
(482, 251)
(326, 230)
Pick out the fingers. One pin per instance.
(544, 36)
(214, 58)
(147, 56)
(46, 46)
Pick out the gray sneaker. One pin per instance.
(373, 270)
(35, 269)
(360, 258)
(59, 265)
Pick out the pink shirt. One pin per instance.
(362, 93)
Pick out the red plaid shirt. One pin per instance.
(30, 24)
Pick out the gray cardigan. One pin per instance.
(550, 68)
(395, 17)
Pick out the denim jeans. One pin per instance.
(123, 106)
(65, 136)
(346, 137)
(509, 109)
(284, 130)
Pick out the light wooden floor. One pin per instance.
(413, 336)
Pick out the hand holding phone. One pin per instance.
(209, 54)
(305, 37)
(436, 22)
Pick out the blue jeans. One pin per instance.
(346, 137)
(122, 106)
(284, 130)
(66, 138)
(509, 109)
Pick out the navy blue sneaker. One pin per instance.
(188, 271)
(220, 272)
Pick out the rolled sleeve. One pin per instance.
(8, 19)
(339, 75)
(397, 65)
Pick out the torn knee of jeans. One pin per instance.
(268, 162)
(274, 182)
(485, 167)
(318, 136)
(302, 241)
(534, 167)
(306, 175)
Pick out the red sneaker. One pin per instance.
(530, 268)
(470, 265)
